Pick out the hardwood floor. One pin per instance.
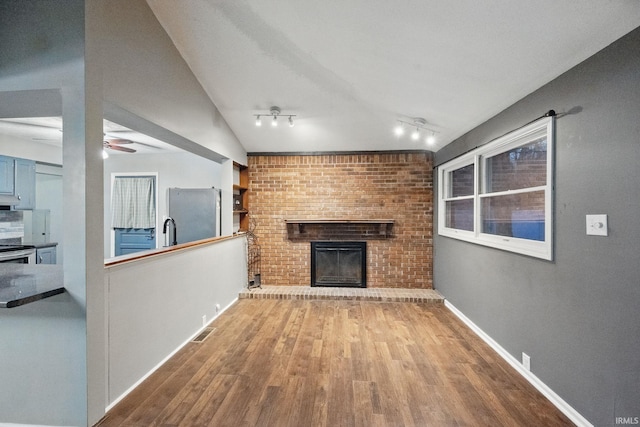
(336, 363)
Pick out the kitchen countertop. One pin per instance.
(40, 245)
(25, 283)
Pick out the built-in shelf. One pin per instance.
(384, 225)
(241, 196)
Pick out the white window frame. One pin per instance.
(478, 157)
(444, 191)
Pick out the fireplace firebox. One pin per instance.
(341, 264)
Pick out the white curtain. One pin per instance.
(133, 203)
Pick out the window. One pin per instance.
(133, 202)
(500, 194)
(460, 198)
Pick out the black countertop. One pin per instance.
(39, 245)
(24, 283)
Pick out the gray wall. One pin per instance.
(156, 305)
(184, 170)
(68, 58)
(577, 317)
(44, 354)
(145, 75)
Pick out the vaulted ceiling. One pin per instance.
(350, 69)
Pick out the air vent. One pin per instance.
(203, 335)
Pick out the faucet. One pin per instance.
(175, 232)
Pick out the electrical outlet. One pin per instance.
(526, 361)
(204, 320)
(597, 225)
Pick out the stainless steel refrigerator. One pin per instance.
(196, 212)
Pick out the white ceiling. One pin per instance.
(350, 69)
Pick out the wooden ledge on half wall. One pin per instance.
(135, 256)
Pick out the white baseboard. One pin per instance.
(563, 406)
(163, 361)
(24, 425)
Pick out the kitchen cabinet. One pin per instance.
(46, 255)
(25, 184)
(18, 178)
(7, 178)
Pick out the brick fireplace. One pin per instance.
(394, 186)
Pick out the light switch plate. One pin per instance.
(597, 225)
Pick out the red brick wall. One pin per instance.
(394, 186)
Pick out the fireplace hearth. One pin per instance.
(341, 264)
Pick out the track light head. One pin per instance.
(274, 112)
(421, 127)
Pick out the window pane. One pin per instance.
(516, 215)
(461, 181)
(460, 214)
(521, 167)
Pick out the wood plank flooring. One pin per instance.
(336, 363)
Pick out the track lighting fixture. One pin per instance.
(274, 112)
(420, 126)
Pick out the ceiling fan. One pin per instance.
(117, 144)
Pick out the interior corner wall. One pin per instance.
(389, 185)
(577, 317)
(45, 365)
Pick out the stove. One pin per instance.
(17, 254)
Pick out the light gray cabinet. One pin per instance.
(25, 184)
(46, 255)
(18, 178)
(7, 173)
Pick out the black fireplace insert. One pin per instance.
(342, 264)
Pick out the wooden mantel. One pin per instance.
(384, 225)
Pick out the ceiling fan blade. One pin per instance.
(119, 141)
(119, 148)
